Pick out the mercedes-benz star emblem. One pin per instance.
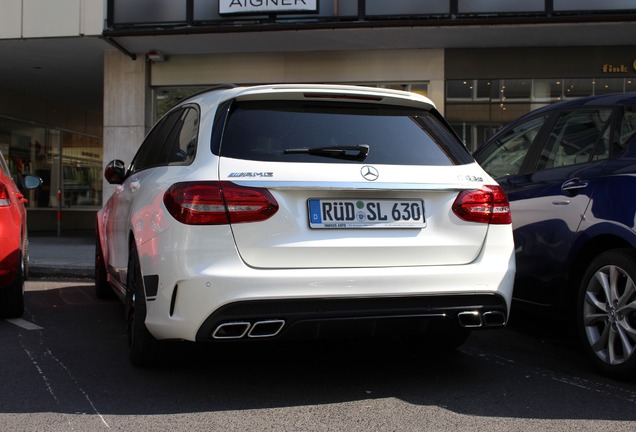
(369, 173)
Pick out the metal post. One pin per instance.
(59, 212)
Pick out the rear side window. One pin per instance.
(506, 154)
(578, 136)
(173, 141)
(627, 128)
(298, 131)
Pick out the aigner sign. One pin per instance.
(228, 7)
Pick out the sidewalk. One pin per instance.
(72, 255)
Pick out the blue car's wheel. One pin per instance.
(607, 312)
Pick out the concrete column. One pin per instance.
(126, 108)
(436, 93)
(540, 94)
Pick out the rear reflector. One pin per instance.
(4, 196)
(217, 203)
(486, 205)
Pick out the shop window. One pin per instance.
(81, 170)
(459, 90)
(168, 97)
(608, 86)
(547, 90)
(67, 163)
(578, 87)
(515, 90)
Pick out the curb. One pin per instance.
(60, 273)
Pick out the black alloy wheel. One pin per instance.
(142, 346)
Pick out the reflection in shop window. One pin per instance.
(512, 89)
(81, 170)
(609, 86)
(168, 97)
(419, 88)
(75, 171)
(459, 89)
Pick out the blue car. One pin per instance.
(569, 171)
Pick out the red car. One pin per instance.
(13, 241)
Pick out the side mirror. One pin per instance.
(115, 172)
(31, 182)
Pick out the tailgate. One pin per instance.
(331, 217)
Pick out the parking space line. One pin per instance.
(24, 324)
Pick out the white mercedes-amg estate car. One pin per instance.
(303, 211)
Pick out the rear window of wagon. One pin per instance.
(264, 130)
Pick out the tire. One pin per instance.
(606, 316)
(103, 290)
(142, 346)
(12, 296)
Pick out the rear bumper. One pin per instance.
(325, 318)
(190, 294)
(306, 301)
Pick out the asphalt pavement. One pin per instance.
(70, 255)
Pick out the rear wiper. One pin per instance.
(357, 152)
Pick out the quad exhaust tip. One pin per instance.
(241, 329)
(271, 328)
(494, 319)
(475, 319)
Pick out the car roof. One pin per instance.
(609, 99)
(323, 91)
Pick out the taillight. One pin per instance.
(217, 203)
(487, 205)
(4, 196)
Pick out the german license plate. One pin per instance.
(366, 213)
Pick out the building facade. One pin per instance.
(482, 62)
(51, 113)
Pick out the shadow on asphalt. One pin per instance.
(500, 374)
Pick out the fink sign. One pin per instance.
(228, 7)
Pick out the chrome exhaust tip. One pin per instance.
(469, 319)
(231, 330)
(269, 328)
(494, 319)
